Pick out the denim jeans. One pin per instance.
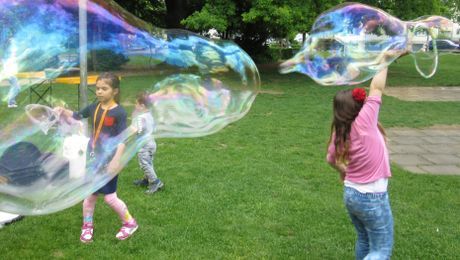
(371, 215)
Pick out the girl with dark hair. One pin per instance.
(357, 150)
(108, 119)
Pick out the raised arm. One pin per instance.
(378, 83)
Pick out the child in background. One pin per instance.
(357, 150)
(143, 125)
(8, 69)
(13, 92)
(108, 119)
(15, 88)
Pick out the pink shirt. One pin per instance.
(368, 155)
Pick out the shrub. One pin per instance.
(278, 54)
(105, 60)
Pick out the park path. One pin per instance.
(424, 93)
(432, 150)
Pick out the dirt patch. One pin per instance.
(271, 92)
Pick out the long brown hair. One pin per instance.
(113, 81)
(345, 109)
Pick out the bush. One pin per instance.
(105, 60)
(278, 54)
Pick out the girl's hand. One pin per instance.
(58, 110)
(62, 112)
(341, 167)
(342, 176)
(133, 129)
(113, 167)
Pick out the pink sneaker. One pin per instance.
(127, 230)
(86, 233)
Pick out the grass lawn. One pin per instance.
(261, 188)
(404, 72)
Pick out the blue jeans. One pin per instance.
(371, 215)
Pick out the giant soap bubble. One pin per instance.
(350, 43)
(197, 87)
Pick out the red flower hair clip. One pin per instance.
(359, 94)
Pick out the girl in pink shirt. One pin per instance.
(358, 152)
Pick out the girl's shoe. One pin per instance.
(127, 230)
(86, 233)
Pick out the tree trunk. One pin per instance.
(176, 10)
(96, 38)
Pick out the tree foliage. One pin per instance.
(219, 15)
(151, 11)
(411, 9)
(251, 22)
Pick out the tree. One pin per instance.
(251, 23)
(408, 10)
(308, 17)
(151, 11)
(177, 10)
(220, 15)
(451, 9)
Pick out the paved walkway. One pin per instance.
(424, 93)
(433, 150)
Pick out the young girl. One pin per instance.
(108, 119)
(358, 152)
(143, 125)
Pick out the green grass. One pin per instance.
(260, 188)
(405, 74)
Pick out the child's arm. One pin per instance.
(67, 116)
(378, 83)
(114, 165)
(66, 113)
(340, 168)
(330, 158)
(63, 112)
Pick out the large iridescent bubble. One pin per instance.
(351, 42)
(197, 87)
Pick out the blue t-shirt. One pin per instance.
(114, 123)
